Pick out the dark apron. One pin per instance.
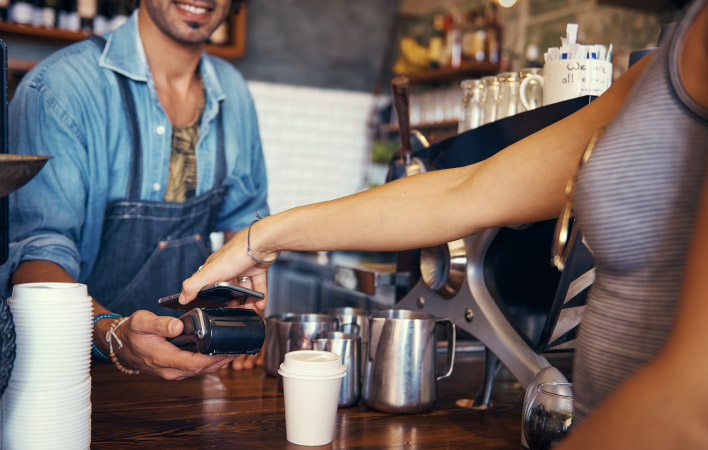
(149, 248)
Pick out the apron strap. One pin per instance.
(220, 173)
(136, 168)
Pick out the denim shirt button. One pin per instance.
(160, 130)
(156, 186)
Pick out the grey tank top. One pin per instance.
(636, 200)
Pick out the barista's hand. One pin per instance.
(145, 348)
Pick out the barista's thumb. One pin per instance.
(146, 322)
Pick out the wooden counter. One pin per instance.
(245, 410)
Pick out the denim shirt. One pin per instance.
(70, 107)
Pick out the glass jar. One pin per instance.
(471, 108)
(508, 94)
(490, 92)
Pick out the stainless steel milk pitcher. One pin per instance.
(400, 373)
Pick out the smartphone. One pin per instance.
(210, 296)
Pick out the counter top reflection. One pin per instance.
(245, 410)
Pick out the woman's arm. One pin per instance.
(523, 183)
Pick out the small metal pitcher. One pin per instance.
(297, 331)
(400, 373)
(348, 346)
(273, 357)
(355, 321)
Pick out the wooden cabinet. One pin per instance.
(234, 49)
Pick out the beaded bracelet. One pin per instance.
(112, 334)
(250, 250)
(96, 318)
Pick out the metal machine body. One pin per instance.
(510, 298)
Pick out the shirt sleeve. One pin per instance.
(248, 194)
(47, 214)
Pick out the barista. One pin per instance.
(155, 145)
(642, 202)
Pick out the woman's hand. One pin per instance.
(145, 348)
(230, 262)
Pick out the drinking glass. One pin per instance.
(471, 114)
(489, 99)
(549, 416)
(508, 94)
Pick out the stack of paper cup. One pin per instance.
(47, 402)
(311, 383)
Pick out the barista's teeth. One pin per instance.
(191, 8)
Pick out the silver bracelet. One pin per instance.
(250, 250)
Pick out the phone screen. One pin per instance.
(210, 296)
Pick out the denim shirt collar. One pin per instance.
(124, 54)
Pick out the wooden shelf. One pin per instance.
(20, 65)
(235, 49)
(446, 74)
(393, 128)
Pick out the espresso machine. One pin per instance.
(498, 285)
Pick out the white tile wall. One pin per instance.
(314, 140)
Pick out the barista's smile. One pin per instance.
(193, 11)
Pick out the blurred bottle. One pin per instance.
(494, 33)
(467, 30)
(37, 6)
(104, 14)
(220, 36)
(532, 56)
(69, 15)
(48, 13)
(21, 11)
(121, 13)
(453, 37)
(87, 10)
(436, 46)
(477, 38)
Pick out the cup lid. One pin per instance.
(312, 364)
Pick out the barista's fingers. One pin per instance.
(145, 322)
(193, 363)
(242, 362)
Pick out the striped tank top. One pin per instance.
(636, 200)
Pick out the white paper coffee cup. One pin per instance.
(312, 380)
